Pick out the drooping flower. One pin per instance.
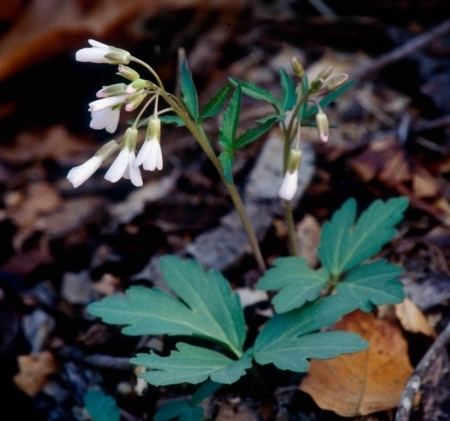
(125, 163)
(289, 185)
(102, 53)
(105, 112)
(322, 125)
(78, 175)
(150, 154)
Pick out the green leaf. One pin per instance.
(227, 131)
(296, 282)
(257, 92)
(328, 99)
(250, 135)
(293, 354)
(191, 364)
(345, 244)
(215, 104)
(101, 407)
(288, 91)
(190, 97)
(289, 326)
(171, 119)
(207, 389)
(268, 117)
(373, 284)
(204, 306)
(226, 159)
(171, 410)
(193, 414)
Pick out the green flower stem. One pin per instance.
(200, 135)
(289, 133)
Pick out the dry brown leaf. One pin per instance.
(308, 235)
(365, 382)
(412, 319)
(424, 184)
(34, 371)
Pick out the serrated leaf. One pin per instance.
(372, 284)
(344, 244)
(190, 97)
(253, 134)
(296, 282)
(288, 91)
(293, 354)
(171, 410)
(191, 364)
(228, 128)
(257, 92)
(171, 119)
(307, 319)
(216, 102)
(328, 99)
(267, 117)
(206, 307)
(101, 407)
(193, 414)
(226, 161)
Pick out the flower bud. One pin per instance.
(135, 100)
(127, 73)
(112, 90)
(117, 56)
(322, 125)
(137, 85)
(325, 73)
(336, 81)
(297, 68)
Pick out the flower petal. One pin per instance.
(111, 101)
(289, 185)
(119, 166)
(78, 175)
(134, 172)
(143, 153)
(105, 119)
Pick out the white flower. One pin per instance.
(289, 185)
(107, 119)
(78, 175)
(322, 125)
(150, 155)
(105, 113)
(102, 53)
(124, 165)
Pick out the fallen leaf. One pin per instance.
(34, 371)
(308, 235)
(365, 382)
(250, 296)
(412, 319)
(424, 184)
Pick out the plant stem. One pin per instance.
(288, 211)
(200, 135)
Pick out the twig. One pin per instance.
(421, 41)
(413, 385)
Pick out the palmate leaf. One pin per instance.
(191, 364)
(296, 282)
(372, 284)
(215, 104)
(204, 307)
(345, 244)
(286, 334)
(257, 92)
(287, 90)
(190, 97)
(100, 406)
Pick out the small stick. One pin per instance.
(413, 385)
(421, 41)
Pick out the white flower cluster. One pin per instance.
(105, 114)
